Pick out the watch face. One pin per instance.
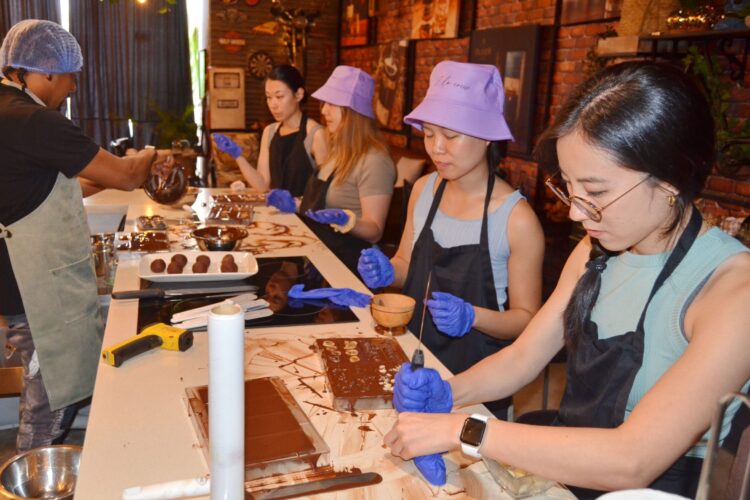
(473, 431)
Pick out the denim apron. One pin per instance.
(466, 272)
(51, 258)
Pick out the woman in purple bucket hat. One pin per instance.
(468, 233)
(346, 202)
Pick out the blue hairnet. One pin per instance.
(42, 47)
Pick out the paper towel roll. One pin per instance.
(226, 400)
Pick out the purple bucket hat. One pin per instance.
(349, 87)
(464, 97)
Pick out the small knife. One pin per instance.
(417, 359)
(158, 293)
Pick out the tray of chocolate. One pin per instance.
(144, 241)
(228, 213)
(279, 438)
(247, 198)
(360, 371)
(151, 223)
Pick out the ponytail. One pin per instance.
(578, 311)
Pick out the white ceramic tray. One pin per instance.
(246, 266)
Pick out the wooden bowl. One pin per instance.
(392, 312)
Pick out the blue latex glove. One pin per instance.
(281, 199)
(453, 316)
(375, 268)
(227, 145)
(421, 390)
(329, 216)
(340, 296)
(432, 468)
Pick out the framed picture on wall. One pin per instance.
(587, 11)
(434, 18)
(356, 23)
(515, 52)
(392, 81)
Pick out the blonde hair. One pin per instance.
(355, 136)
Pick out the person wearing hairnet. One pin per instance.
(47, 283)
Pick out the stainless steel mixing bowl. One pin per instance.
(49, 472)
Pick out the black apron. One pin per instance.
(601, 373)
(345, 246)
(290, 167)
(466, 272)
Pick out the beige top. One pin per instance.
(374, 175)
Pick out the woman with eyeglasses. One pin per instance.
(471, 242)
(651, 305)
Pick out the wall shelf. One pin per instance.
(734, 45)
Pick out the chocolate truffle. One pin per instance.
(228, 267)
(174, 268)
(158, 266)
(204, 259)
(200, 267)
(180, 259)
(227, 258)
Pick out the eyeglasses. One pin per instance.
(592, 211)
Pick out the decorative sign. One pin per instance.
(232, 42)
(434, 18)
(267, 28)
(260, 64)
(232, 16)
(226, 80)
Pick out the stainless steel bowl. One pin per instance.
(221, 238)
(49, 472)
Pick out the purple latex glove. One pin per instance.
(375, 268)
(422, 391)
(453, 316)
(282, 200)
(340, 296)
(329, 216)
(227, 145)
(432, 468)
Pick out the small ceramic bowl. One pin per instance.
(392, 312)
(219, 238)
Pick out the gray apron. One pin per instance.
(50, 254)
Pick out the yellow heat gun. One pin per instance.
(151, 337)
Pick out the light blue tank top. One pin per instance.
(626, 285)
(450, 232)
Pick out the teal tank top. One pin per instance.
(626, 285)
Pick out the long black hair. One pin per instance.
(290, 76)
(496, 152)
(650, 117)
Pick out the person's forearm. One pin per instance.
(88, 187)
(368, 230)
(602, 459)
(505, 325)
(252, 175)
(400, 270)
(508, 371)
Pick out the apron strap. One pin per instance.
(4, 232)
(680, 251)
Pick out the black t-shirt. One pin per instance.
(35, 144)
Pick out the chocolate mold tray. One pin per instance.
(279, 438)
(360, 371)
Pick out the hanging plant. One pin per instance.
(732, 134)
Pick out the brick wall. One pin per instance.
(573, 43)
